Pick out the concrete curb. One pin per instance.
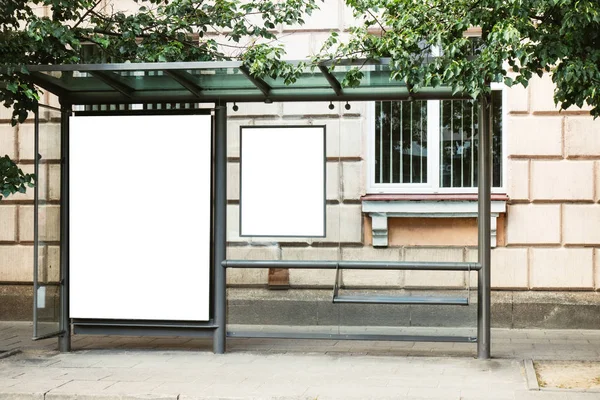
(75, 396)
(9, 353)
(532, 382)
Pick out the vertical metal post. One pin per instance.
(36, 211)
(64, 341)
(484, 225)
(220, 224)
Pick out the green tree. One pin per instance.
(428, 44)
(12, 178)
(86, 31)
(424, 40)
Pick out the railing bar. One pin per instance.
(462, 144)
(451, 143)
(383, 265)
(410, 136)
(391, 142)
(440, 301)
(473, 144)
(342, 336)
(421, 143)
(380, 142)
(401, 142)
(441, 140)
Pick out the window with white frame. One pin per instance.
(431, 146)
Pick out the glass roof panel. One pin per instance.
(375, 75)
(75, 81)
(308, 80)
(217, 81)
(222, 78)
(146, 80)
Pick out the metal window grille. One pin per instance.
(401, 142)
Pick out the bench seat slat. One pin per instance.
(455, 301)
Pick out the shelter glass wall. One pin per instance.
(43, 223)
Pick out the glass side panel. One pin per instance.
(459, 140)
(45, 221)
(401, 142)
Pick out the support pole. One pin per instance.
(64, 340)
(484, 229)
(220, 223)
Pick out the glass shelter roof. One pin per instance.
(189, 82)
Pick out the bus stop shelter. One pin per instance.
(204, 89)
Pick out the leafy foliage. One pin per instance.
(88, 31)
(78, 31)
(12, 178)
(429, 45)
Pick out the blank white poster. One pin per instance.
(282, 181)
(140, 217)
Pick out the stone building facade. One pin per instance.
(546, 259)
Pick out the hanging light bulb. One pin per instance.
(331, 106)
(347, 106)
(235, 107)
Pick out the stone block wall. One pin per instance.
(552, 228)
(17, 211)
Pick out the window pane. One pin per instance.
(497, 138)
(401, 142)
(459, 138)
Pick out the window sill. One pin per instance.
(380, 207)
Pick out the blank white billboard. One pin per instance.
(140, 217)
(282, 178)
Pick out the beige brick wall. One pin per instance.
(16, 211)
(434, 278)
(554, 187)
(562, 268)
(8, 140)
(580, 224)
(534, 137)
(301, 277)
(518, 179)
(533, 224)
(16, 263)
(362, 278)
(8, 223)
(582, 137)
(562, 180)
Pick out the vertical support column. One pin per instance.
(220, 227)
(484, 229)
(36, 211)
(64, 341)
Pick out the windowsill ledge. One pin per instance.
(380, 207)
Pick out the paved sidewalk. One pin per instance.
(182, 368)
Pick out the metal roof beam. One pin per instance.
(333, 82)
(114, 81)
(186, 80)
(396, 93)
(259, 83)
(45, 82)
